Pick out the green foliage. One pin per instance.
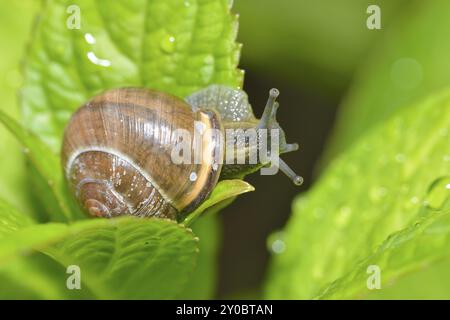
(10, 219)
(131, 258)
(36, 276)
(174, 46)
(126, 258)
(425, 242)
(403, 68)
(163, 44)
(13, 177)
(202, 284)
(45, 163)
(325, 40)
(384, 201)
(369, 207)
(225, 190)
(426, 283)
(346, 223)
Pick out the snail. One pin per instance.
(116, 150)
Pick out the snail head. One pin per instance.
(269, 121)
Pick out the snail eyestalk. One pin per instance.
(273, 115)
(269, 121)
(291, 147)
(296, 179)
(270, 110)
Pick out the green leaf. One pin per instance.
(33, 276)
(37, 276)
(224, 190)
(47, 165)
(175, 46)
(405, 67)
(11, 220)
(426, 283)
(345, 218)
(126, 258)
(35, 237)
(406, 251)
(325, 40)
(203, 281)
(13, 36)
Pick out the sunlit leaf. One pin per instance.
(345, 219)
(406, 65)
(126, 258)
(225, 190)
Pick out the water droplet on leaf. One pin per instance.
(414, 200)
(343, 216)
(89, 38)
(377, 193)
(404, 189)
(400, 158)
(97, 61)
(168, 44)
(276, 242)
(438, 193)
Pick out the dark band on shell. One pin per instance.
(117, 155)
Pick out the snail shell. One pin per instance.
(117, 155)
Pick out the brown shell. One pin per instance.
(117, 155)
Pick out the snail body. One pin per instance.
(116, 150)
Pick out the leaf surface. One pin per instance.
(344, 219)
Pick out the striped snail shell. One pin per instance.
(117, 149)
(117, 155)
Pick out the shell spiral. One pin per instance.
(116, 155)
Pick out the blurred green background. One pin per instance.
(326, 62)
